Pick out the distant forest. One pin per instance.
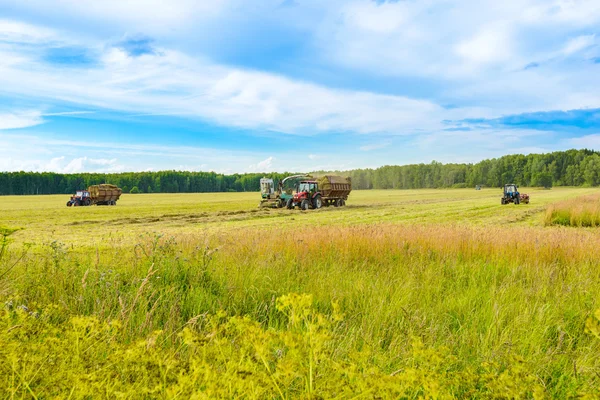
(561, 168)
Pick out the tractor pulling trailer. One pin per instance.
(101, 195)
(310, 193)
(328, 190)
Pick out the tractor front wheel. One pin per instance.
(304, 205)
(69, 204)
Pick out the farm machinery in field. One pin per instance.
(277, 196)
(511, 195)
(102, 195)
(309, 193)
(328, 190)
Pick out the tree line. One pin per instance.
(561, 168)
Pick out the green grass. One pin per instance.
(500, 300)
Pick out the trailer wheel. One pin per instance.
(304, 205)
(290, 204)
(342, 203)
(317, 202)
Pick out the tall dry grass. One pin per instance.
(487, 296)
(583, 211)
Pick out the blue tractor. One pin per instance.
(512, 195)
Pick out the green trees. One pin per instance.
(562, 168)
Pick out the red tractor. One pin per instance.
(325, 191)
(80, 198)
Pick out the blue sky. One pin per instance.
(293, 85)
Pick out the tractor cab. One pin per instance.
(511, 189)
(306, 189)
(267, 188)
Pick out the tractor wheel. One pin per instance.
(87, 202)
(290, 204)
(517, 200)
(502, 201)
(305, 205)
(69, 204)
(317, 202)
(75, 203)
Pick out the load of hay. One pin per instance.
(333, 185)
(105, 192)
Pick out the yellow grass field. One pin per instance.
(400, 294)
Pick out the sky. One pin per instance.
(293, 85)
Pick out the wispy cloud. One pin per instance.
(22, 119)
(376, 146)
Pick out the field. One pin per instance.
(401, 294)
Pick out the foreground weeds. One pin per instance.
(387, 312)
(233, 357)
(583, 211)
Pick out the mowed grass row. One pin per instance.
(46, 218)
(514, 298)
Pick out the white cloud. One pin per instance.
(263, 166)
(16, 31)
(491, 44)
(376, 146)
(579, 43)
(174, 84)
(22, 119)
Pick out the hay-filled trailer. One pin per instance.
(102, 195)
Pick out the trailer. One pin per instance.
(101, 195)
(328, 190)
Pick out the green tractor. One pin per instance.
(276, 196)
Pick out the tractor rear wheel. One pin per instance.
(304, 205)
(317, 202)
(87, 202)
